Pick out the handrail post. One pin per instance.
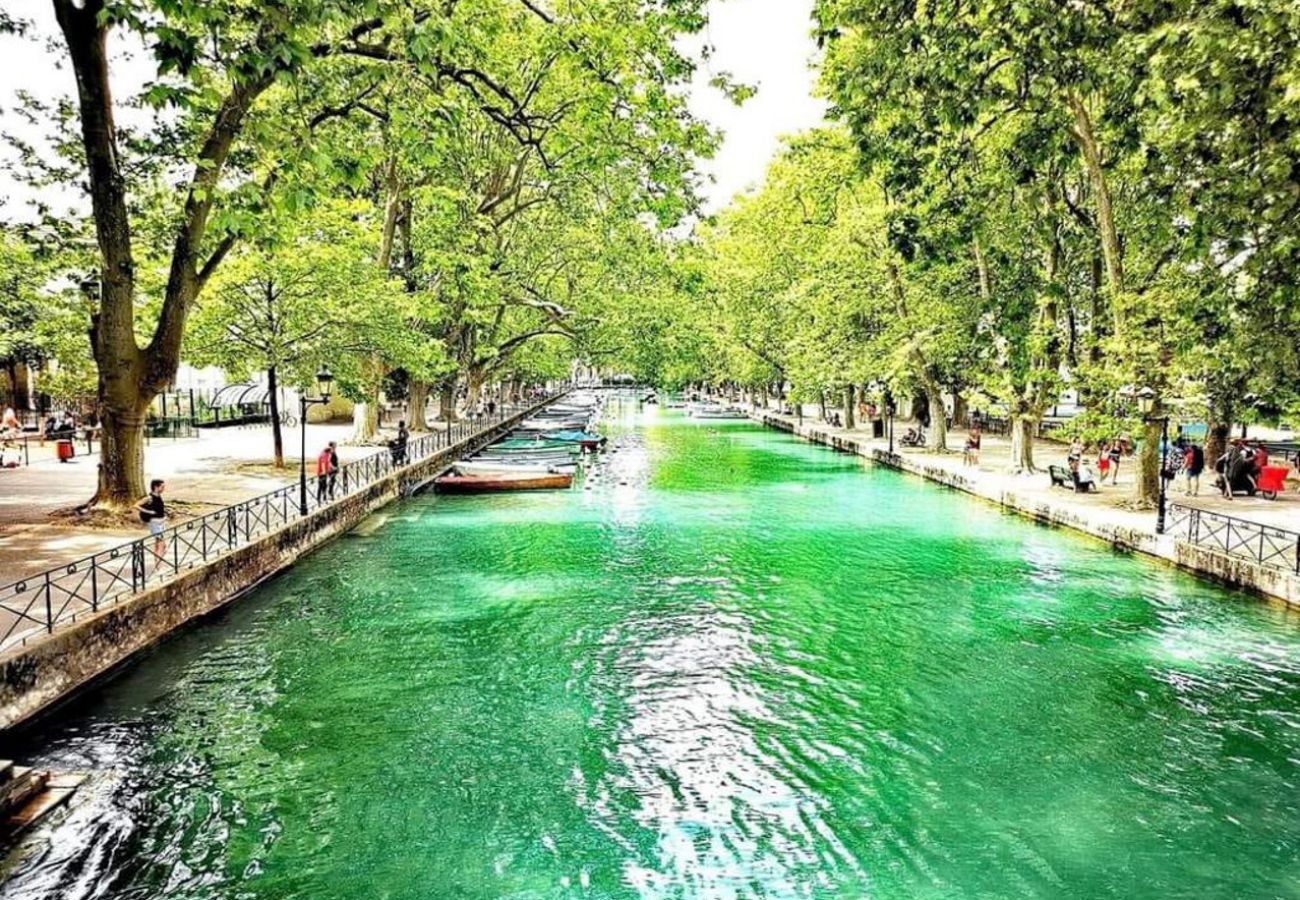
(49, 607)
(232, 527)
(137, 566)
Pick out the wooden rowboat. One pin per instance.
(486, 484)
(490, 467)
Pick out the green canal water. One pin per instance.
(735, 666)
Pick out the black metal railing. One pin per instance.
(170, 427)
(1276, 548)
(37, 604)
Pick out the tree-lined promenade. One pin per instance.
(451, 191)
(1010, 199)
(1021, 198)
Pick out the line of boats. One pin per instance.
(714, 411)
(542, 453)
(696, 408)
(706, 410)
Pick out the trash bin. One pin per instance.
(877, 428)
(65, 449)
(1272, 481)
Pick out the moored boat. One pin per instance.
(557, 424)
(484, 484)
(524, 444)
(577, 437)
(717, 411)
(569, 454)
(497, 467)
(564, 451)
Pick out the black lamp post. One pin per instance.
(323, 381)
(1147, 405)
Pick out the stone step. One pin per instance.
(22, 785)
(56, 791)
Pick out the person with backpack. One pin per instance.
(153, 512)
(1193, 466)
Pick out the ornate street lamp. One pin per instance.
(323, 381)
(1147, 405)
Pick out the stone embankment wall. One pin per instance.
(1207, 562)
(35, 678)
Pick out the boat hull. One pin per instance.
(492, 468)
(489, 484)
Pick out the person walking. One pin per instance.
(970, 455)
(324, 466)
(1230, 465)
(334, 467)
(1193, 466)
(397, 446)
(153, 512)
(1113, 456)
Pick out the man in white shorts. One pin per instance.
(153, 512)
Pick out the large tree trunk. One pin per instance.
(849, 421)
(121, 455)
(447, 402)
(938, 437)
(1216, 440)
(130, 377)
(22, 386)
(473, 389)
(1046, 360)
(1148, 481)
(1220, 411)
(277, 431)
(1108, 231)
(419, 399)
(960, 412)
(365, 422)
(1023, 426)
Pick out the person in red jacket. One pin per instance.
(1259, 459)
(326, 465)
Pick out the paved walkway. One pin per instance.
(217, 468)
(1111, 503)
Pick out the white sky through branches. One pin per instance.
(764, 43)
(768, 44)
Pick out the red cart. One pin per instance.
(1272, 481)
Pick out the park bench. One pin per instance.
(1063, 477)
